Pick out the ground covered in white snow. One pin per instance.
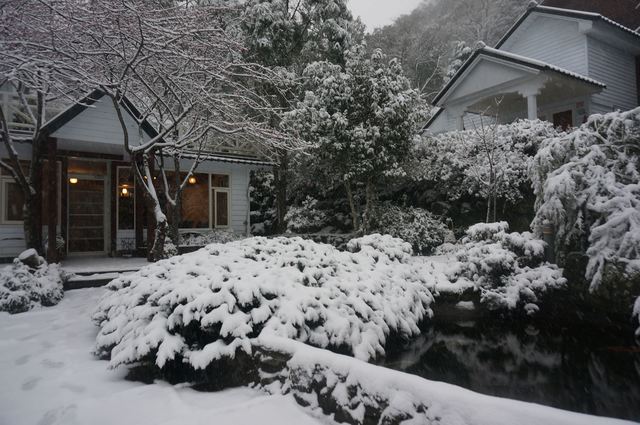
(50, 377)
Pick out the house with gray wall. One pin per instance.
(554, 64)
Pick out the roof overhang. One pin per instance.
(501, 69)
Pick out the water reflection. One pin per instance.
(583, 370)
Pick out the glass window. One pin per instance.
(13, 201)
(126, 199)
(222, 208)
(219, 180)
(195, 202)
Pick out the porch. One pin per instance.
(499, 86)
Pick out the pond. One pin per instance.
(582, 369)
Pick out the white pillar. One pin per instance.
(460, 122)
(532, 106)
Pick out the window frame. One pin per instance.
(4, 181)
(213, 212)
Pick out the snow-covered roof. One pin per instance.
(579, 14)
(516, 59)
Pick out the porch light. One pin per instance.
(73, 180)
(192, 180)
(124, 191)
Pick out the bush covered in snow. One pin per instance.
(28, 282)
(209, 237)
(507, 268)
(306, 218)
(488, 163)
(587, 187)
(207, 306)
(262, 192)
(414, 225)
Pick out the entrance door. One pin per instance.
(86, 216)
(563, 120)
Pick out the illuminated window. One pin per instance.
(195, 202)
(126, 199)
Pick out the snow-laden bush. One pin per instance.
(491, 160)
(209, 237)
(507, 268)
(207, 306)
(587, 185)
(29, 282)
(262, 192)
(414, 225)
(306, 218)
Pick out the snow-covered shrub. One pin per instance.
(414, 225)
(263, 213)
(587, 188)
(372, 245)
(484, 162)
(507, 268)
(207, 306)
(28, 282)
(209, 237)
(306, 218)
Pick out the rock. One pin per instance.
(31, 259)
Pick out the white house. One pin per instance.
(557, 65)
(93, 199)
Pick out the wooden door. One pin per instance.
(86, 216)
(563, 119)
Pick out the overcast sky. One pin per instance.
(376, 13)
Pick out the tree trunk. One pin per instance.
(366, 219)
(175, 211)
(32, 223)
(281, 182)
(354, 210)
(488, 209)
(157, 250)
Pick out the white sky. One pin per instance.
(376, 13)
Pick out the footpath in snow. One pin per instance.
(50, 377)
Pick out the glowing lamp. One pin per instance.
(73, 180)
(192, 180)
(124, 191)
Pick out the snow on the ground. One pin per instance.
(353, 382)
(50, 377)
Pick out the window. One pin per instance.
(12, 201)
(126, 199)
(221, 199)
(195, 202)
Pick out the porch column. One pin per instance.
(460, 122)
(532, 106)
(52, 190)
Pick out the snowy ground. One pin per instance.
(50, 377)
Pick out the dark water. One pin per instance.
(582, 369)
